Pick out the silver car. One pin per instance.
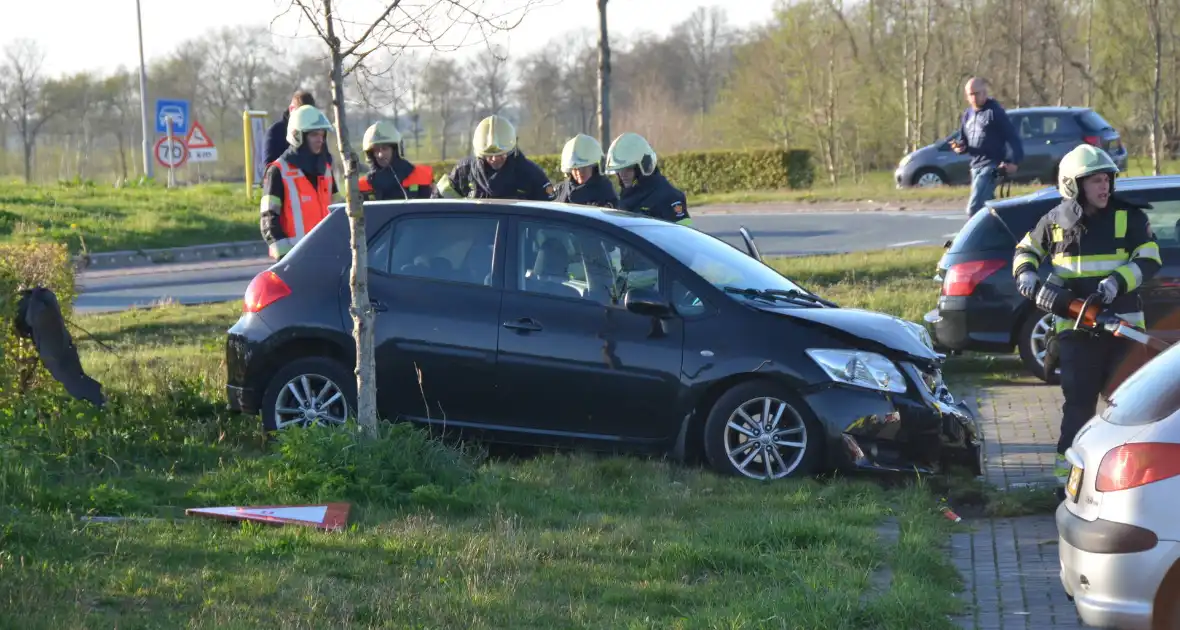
(1119, 525)
(1046, 133)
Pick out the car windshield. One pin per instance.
(1151, 394)
(718, 262)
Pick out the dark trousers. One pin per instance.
(1087, 363)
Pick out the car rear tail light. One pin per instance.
(1133, 465)
(1094, 140)
(264, 289)
(961, 279)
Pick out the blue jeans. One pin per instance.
(983, 188)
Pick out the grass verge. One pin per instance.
(442, 536)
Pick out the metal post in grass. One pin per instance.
(148, 167)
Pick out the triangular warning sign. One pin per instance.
(197, 138)
(330, 516)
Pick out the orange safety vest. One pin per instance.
(304, 205)
(422, 175)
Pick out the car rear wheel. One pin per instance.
(311, 390)
(928, 177)
(760, 430)
(1034, 342)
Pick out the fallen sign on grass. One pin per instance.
(329, 516)
(39, 317)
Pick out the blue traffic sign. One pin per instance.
(178, 110)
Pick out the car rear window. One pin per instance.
(983, 232)
(1093, 121)
(1151, 394)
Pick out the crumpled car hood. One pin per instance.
(892, 332)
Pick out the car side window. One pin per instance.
(550, 260)
(1165, 222)
(1029, 126)
(564, 260)
(449, 248)
(686, 301)
(379, 251)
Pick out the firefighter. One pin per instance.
(581, 161)
(390, 175)
(645, 189)
(498, 170)
(1098, 243)
(298, 187)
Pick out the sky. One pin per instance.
(101, 35)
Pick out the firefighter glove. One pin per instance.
(1027, 284)
(1109, 288)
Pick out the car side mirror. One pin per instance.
(645, 301)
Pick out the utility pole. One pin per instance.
(148, 171)
(603, 77)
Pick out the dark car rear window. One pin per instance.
(1093, 121)
(1150, 394)
(984, 232)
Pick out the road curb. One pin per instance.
(149, 257)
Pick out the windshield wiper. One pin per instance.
(781, 294)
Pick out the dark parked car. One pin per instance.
(979, 308)
(1047, 133)
(561, 325)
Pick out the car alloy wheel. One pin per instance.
(1038, 339)
(765, 438)
(310, 399)
(929, 179)
(1033, 343)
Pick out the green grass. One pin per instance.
(441, 536)
(102, 218)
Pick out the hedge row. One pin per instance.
(697, 172)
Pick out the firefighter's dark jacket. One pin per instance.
(519, 178)
(655, 196)
(386, 183)
(597, 191)
(1117, 241)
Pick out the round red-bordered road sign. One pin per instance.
(174, 154)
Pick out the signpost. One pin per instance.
(177, 110)
(200, 146)
(254, 135)
(171, 152)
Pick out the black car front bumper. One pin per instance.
(920, 431)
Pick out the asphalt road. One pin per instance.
(776, 234)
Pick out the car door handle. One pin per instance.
(378, 306)
(524, 324)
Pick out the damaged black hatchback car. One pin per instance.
(550, 324)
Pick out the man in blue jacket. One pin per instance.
(986, 130)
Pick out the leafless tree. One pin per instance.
(603, 77)
(705, 39)
(23, 97)
(443, 89)
(393, 27)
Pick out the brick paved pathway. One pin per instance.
(1010, 566)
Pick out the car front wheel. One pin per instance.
(758, 429)
(311, 390)
(1034, 342)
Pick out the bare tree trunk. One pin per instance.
(28, 145)
(1089, 51)
(1019, 49)
(358, 280)
(603, 77)
(1154, 22)
(905, 76)
(920, 118)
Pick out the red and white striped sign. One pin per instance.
(329, 516)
